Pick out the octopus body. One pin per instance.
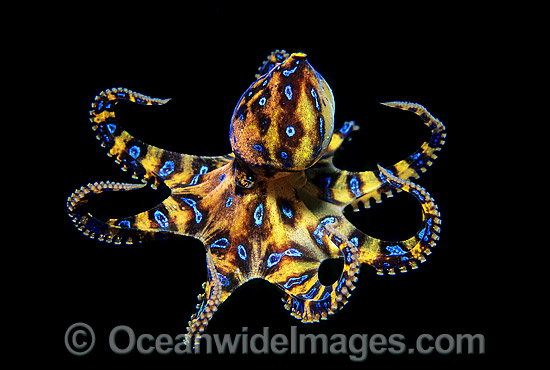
(273, 208)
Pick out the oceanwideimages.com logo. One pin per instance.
(80, 340)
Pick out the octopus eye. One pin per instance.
(245, 182)
(243, 178)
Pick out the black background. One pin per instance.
(204, 60)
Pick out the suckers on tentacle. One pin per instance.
(94, 228)
(127, 151)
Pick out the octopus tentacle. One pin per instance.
(391, 255)
(94, 228)
(173, 215)
(313, 301)
(419, 161)
(143, 161)
(346, 187)
(276, 56)
(338, 138)
(212, 297)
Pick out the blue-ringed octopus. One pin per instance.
(273, 208)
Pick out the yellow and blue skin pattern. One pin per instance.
(273, 208)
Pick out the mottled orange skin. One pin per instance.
(272, 209)
(285, 120)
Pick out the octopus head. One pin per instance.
(284, 120)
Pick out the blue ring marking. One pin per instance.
(310, 294)
(161, 219)
(193, 204)
(222, 177)
(242, 252)
(427, 231)
(418, 195)
(167, 168)
(297, 305)
(288, 92)
(421, 233)
(198, 215)
(134, 151)
(293, 252)
(223, 280)
(194, 180)
(354, 241)
(354, 186)
(290, 131)
(111, 127)
(314, 94)
(274, 259)
(288, 72)
(262, 100)
(321, 126)
(202, 171)
(284, 155)
(220, 243)
(319, 231)
(347, 126)
(258, 147)
(395, 250)
(229, 201)
(295, 281)
(287, 211)
(124, 223)
(347, 253)
(259, 214)
(190, 202)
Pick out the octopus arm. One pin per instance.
(389, 256)
(144, 161)
(294, 268)
(307, 298)
(173, 215)
(276, 57)
(346, 187)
